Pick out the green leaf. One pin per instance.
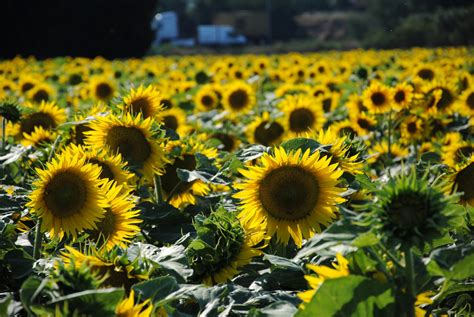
(452, 262)
(303, 144)
(101, 302)
(282, 262)
(205, 176)
(156, 289)
(251, 152)
(351, 296)
(366, 239)
(21, 263)
(463, 269)
(278, 309)
(171, 258)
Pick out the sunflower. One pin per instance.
(378, 98)
(222, 247)
(41, 92)
(302, 114)
(38, 137)
(456, 153)
(117, 268)
(425, 72)
(466, 102)
(402, 95)
(412, 211)
(412, 129)
(206, 98)
(328, 101)
(293, 194)
(355, 105)
(119, 224)
(340, 269)
(113, 168)
(46, 115)
(263, 130)
(83, 120)
(184, 192)
(344, 127)
(229, 142)
(143, 100)
(339, 151)
(444, 94)
(102, 88)
(28, 82)
(363, 123)
(68, 196)
(462, 180)
(238, 97)
(174, 119)
(379, 152)
(128, 308)
(132, 138)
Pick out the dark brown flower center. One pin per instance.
(207, 101)
(426, 74)
(141, 105)
(106, 170)
(65, 194)
(40, 95)
(378, 98)
(103, 91)
(301, 120)
(266, 133)
(238, 99)
(289, 192)
(399, 96)
(131, 143)
(170, 180)
(227, 141)
(464, 181)
(38, 119)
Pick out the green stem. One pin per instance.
(410, 276)
(389, 150)
(38, 239)
(38, 235)
(158, 189)
(390, 255)
(381, 263)
(4, 137)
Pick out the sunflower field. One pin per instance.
(320, 184)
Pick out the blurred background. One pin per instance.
(128, 28)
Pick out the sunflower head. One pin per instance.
(378, 98)
(292, 193)
(302, 114)
(144, 101)
(47, 115)
(463, 180)
(409, 211)
(221, 247)
(264, 130)
(114, 265)
(120, 222)
(238, 97)
(68, 195)
(10, 111)
(131, 137)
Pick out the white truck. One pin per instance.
(165, 25)
(219, 35)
